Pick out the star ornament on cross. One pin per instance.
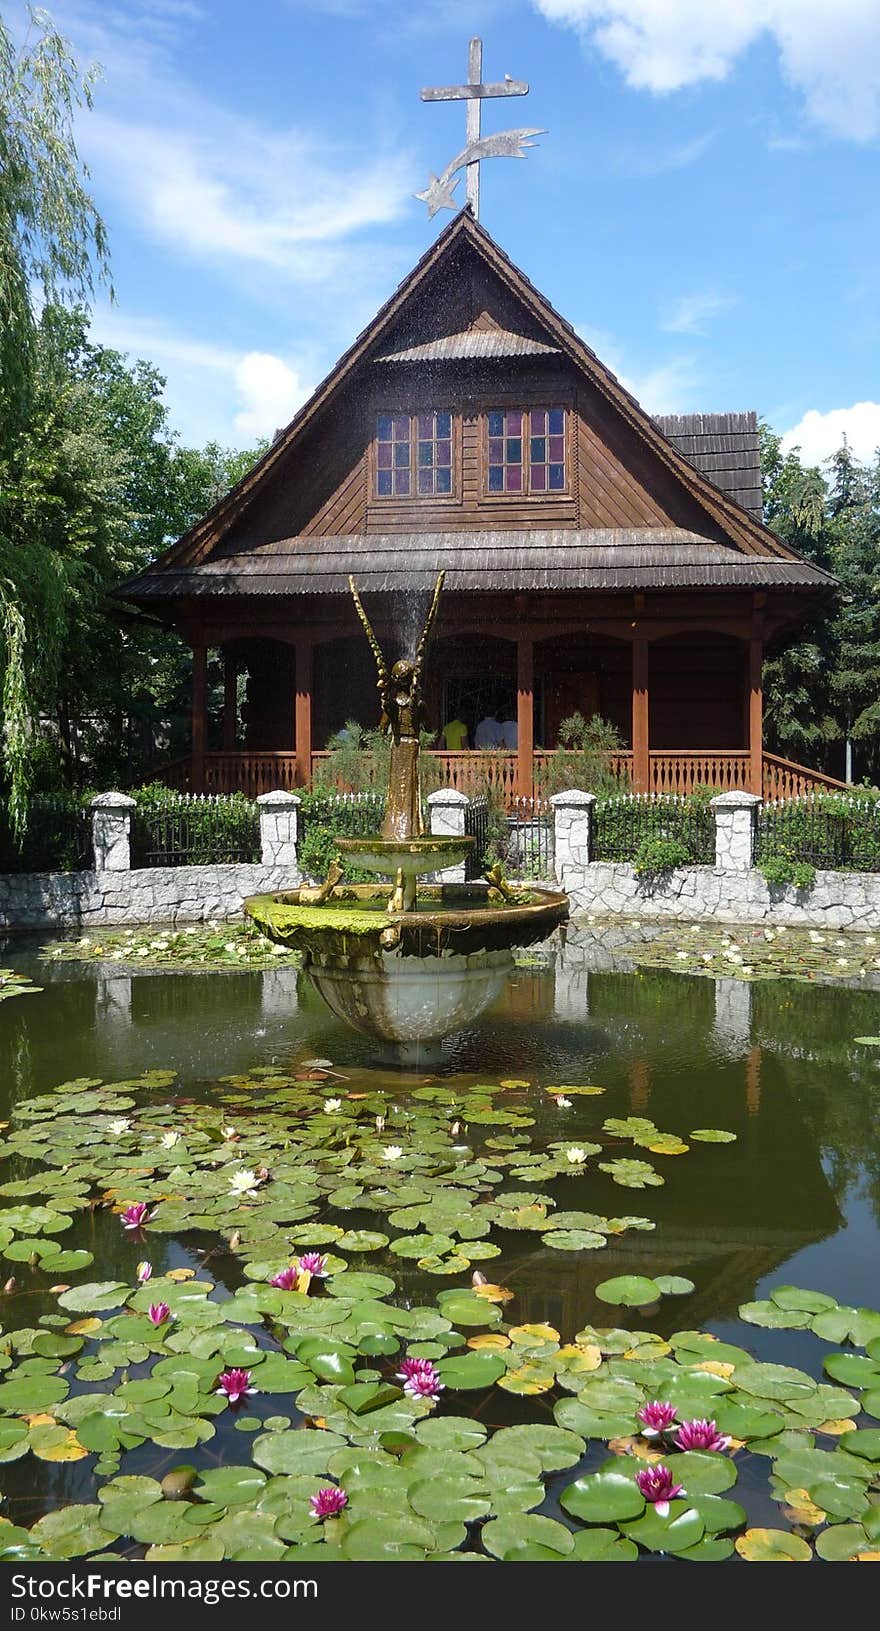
(440, 191)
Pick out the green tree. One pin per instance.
(825, 687)
(52, 241)
(854, 511)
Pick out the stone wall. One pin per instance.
(174, 894)
(837, 900)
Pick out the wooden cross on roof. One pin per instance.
(439, 193)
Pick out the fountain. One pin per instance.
(407, 963)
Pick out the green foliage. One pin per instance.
(359, 761)
(656, 856)
(831, 830)
(171, 828)
(781, 869)
(656, 834)
(582, 758)
(825, 686)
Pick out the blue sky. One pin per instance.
(703, 206)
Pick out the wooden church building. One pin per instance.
(596, 559)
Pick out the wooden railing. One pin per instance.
(472, 772)
(785, 780)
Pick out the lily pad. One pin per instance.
(469, 1371)
(772, 1546)
(608, 1496)
(629, 1291)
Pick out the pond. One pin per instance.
(251, 1154)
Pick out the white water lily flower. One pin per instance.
(681, 954)
(279, 951)
(244, 1182)
(117, 956)
(562, 1102)
(230, 946)
(575, 1155)
(142, 951)
(227, 1132)
(332, 1105)
(707, 956)
(168, 1140)
(120, 1125)
(380, 1124)
(870, 940)
(843, 962)
(392, 1152)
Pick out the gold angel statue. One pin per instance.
(403, 714)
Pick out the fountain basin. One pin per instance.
(414, 857)
(409, 978)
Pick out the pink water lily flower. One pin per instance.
(315, 1264)
(286, 1279)
(656, 1418)
(659, 1488)
(137, 1215)
(420, 1378)
(144, 1273)
(329, 1502)
(235, 1385)
(158, 1313)
(700, 1434)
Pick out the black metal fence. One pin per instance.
(358, 815)
(528, 849)
(621, 825)
(193, 829)
(476, 826)
(58, 836)
(835, 833)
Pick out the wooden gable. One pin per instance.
(466, 331)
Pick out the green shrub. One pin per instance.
(359, 762)
(581, 759)
(656, 857)
(781, 869)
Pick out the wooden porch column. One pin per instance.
(303, 712)
(525, 716)
(230, 703)
(641, 764)
(756, 715)
(199, 716)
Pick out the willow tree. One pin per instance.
(53, 248)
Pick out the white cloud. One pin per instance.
(830, 53)
(271, 392)
(220, 184)
(692, 313)
(213, 391)
(818, 435)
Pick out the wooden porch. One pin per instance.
(680, 772)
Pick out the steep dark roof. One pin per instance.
(601, 558)
(724, 447)
(207, 554)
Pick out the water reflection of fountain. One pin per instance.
(404, 963)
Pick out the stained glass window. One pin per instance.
(413, 455)
(526, 450)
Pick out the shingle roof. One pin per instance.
(472, 345)
(724, 447)
(602, 558)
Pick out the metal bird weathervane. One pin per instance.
(511, 144)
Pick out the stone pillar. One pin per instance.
(111, 831)
(279, 825)
(446, 812)
(733, 1016)
(573, 835)
(736, 816)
